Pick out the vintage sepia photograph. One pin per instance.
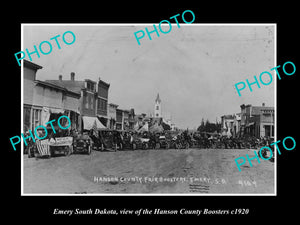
(103, 114)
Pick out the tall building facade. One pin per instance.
(112, 115)
(102, 102)
(88, 106)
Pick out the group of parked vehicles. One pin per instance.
(69, 142)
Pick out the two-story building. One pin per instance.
(120, 119)
(30, 112)
(87, 106)
(44, 101)
(257, 121)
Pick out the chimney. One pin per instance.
(60, 77)
(263, 104)
(72, 76)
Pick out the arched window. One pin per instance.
(157, 107)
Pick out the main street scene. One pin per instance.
(160, 118)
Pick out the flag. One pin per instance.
(155, 128)
(94, 128)
(43, 147)
(136, 126)
(45, 115)
(144, 128)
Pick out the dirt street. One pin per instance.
(191, 171)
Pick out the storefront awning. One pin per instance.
(55, 110)
(250, 124)
(88, 122)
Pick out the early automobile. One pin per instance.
(110, 140)
(56, 143)
(82, 144)
(163, 142)
(133, 141)
(61, 145)
(140, 143)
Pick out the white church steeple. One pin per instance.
(157, 107)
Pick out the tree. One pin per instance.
(208, 126)
(201, 128)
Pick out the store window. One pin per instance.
(26, 118)
(90, 86)
(92, 102)
(36, 118)
(86, 101)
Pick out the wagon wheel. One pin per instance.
(187, 145)
(68, 151)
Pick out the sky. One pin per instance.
(193, 68)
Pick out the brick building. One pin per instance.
(87, 105)
(102, 102)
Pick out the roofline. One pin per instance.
(264, 107)
(44, 83)
(113, 104)
(90, 81)
(103, 82)
(75, 81)
(31, 65)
